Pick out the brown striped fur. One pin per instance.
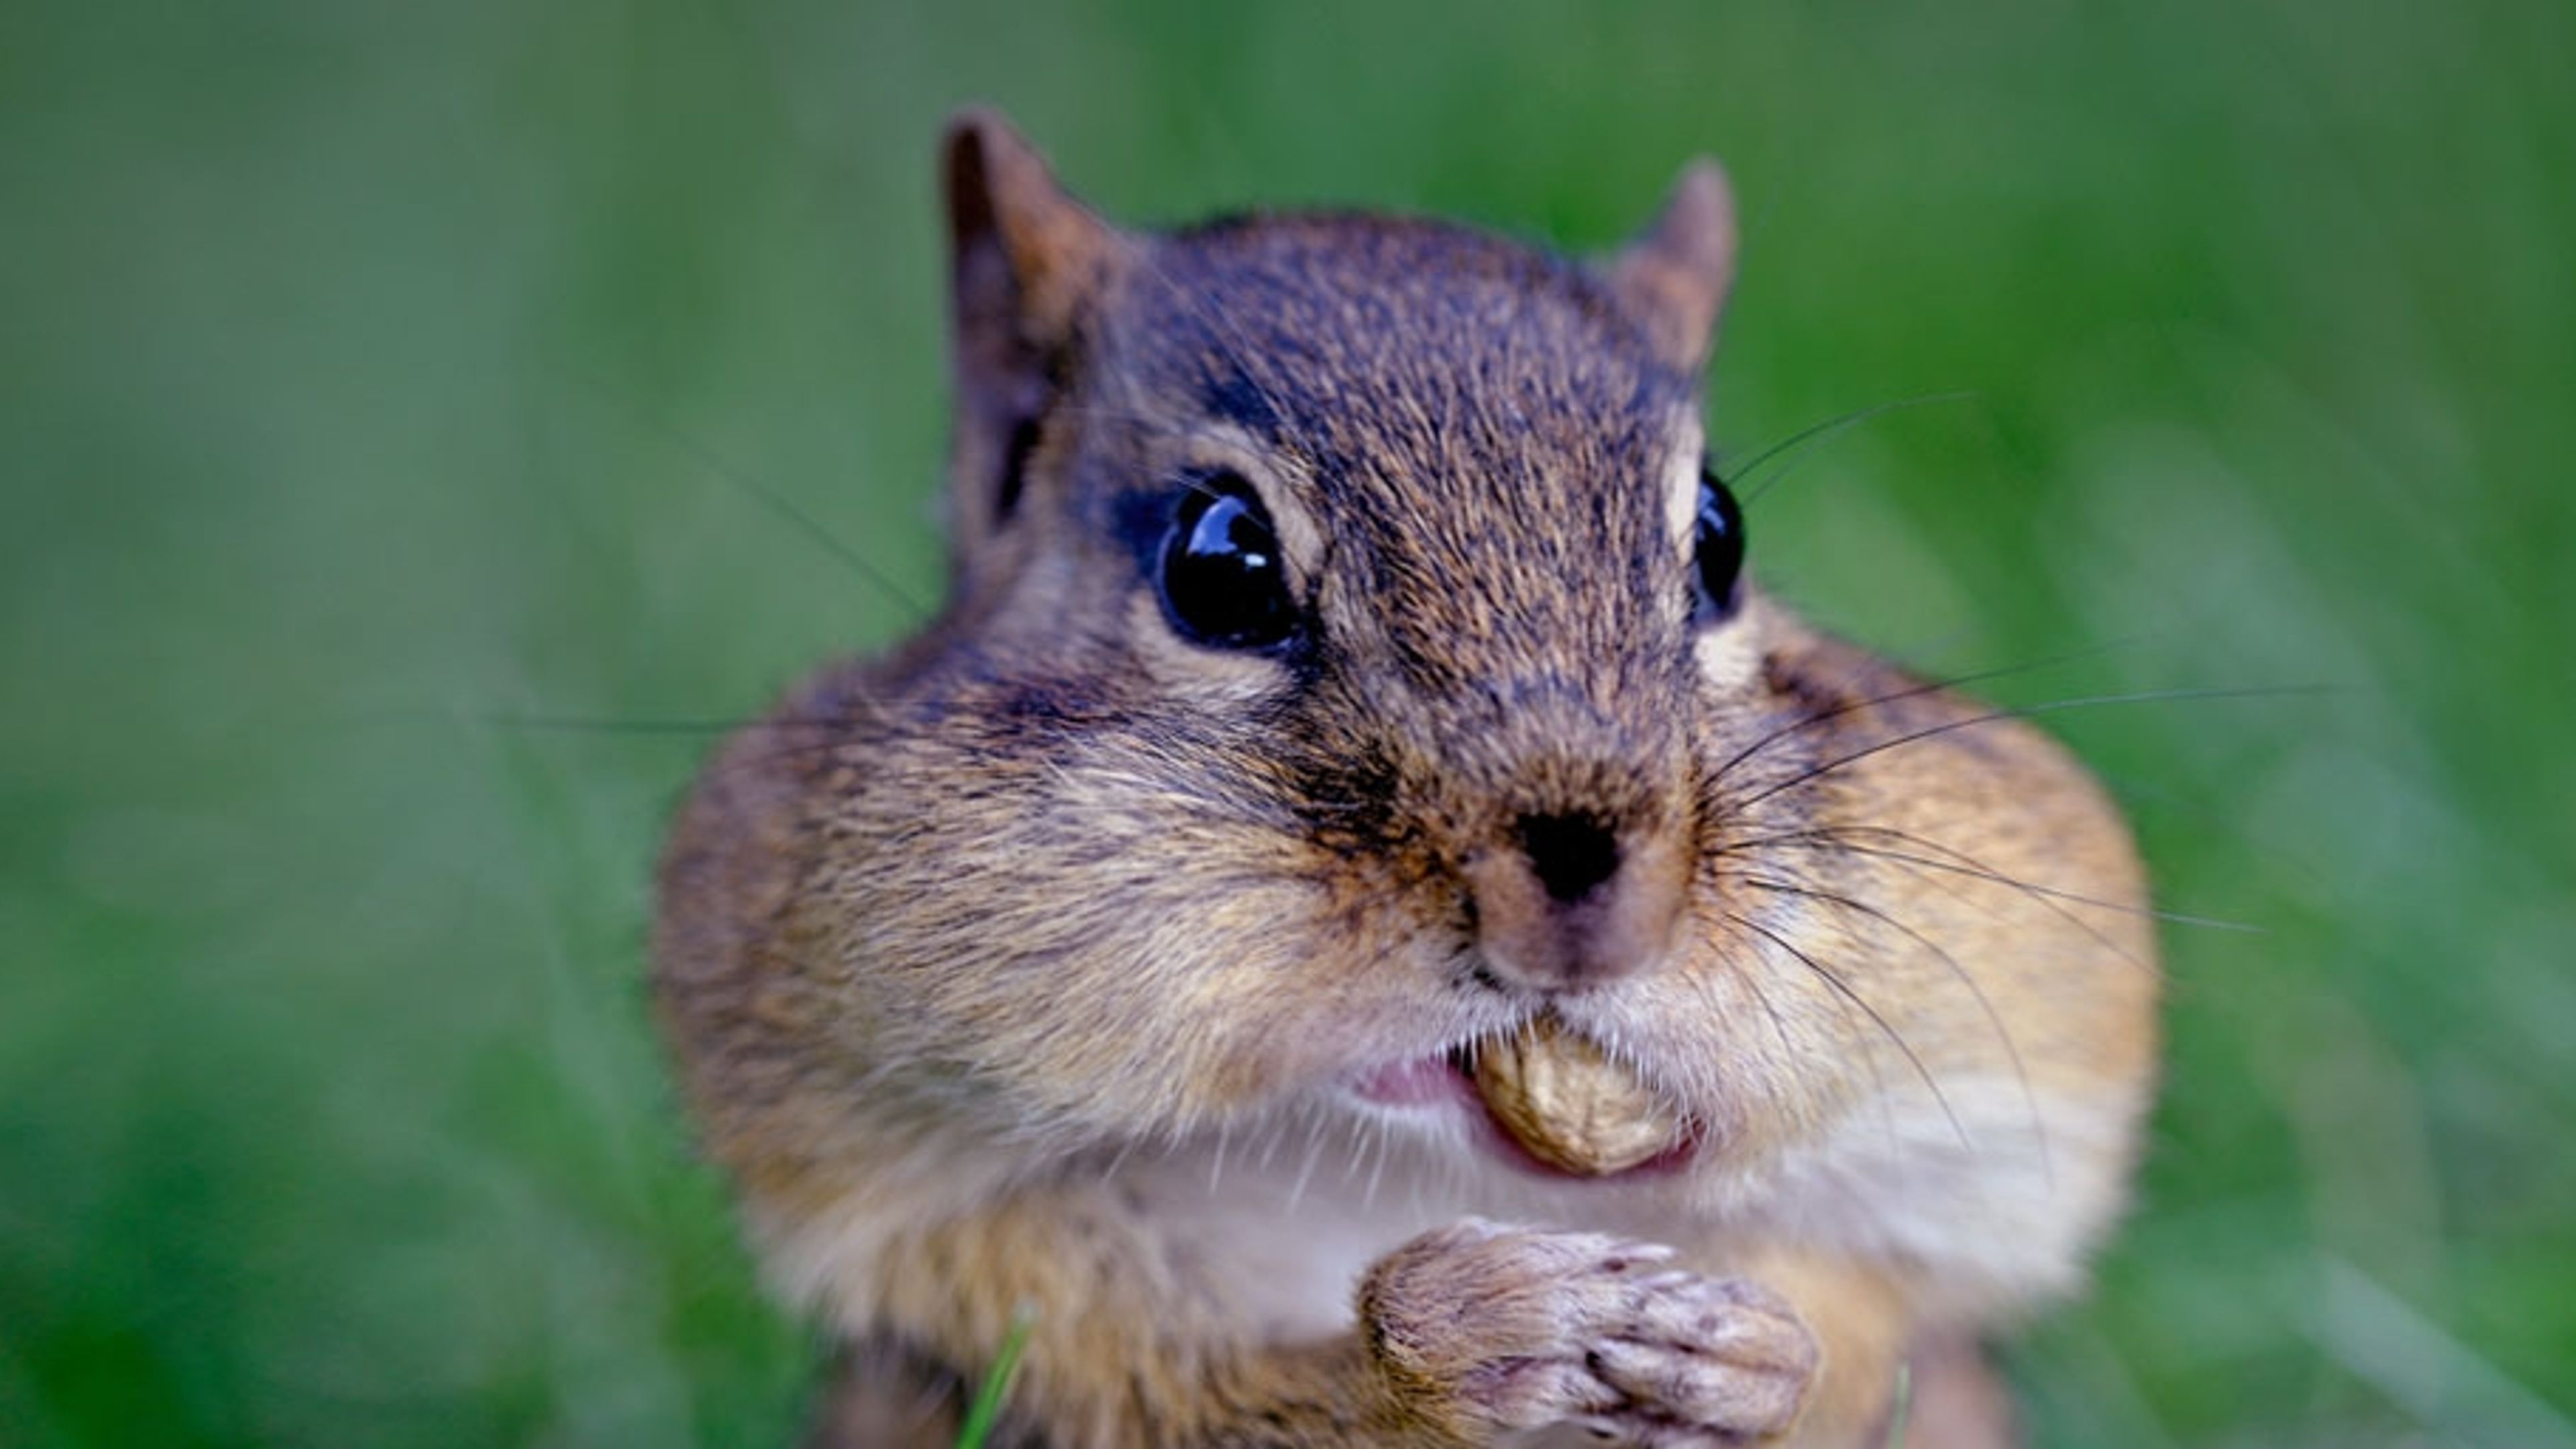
(1026, 968)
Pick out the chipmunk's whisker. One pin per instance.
(773, 501)
(1958, 973)
(1886, 1027)
(1819, 771)
(1791, 450)
(1832, 840)
(1943, 685)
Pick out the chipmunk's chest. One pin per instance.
(1287, 1228)
(1286, 1225)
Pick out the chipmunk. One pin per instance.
(1349, 682)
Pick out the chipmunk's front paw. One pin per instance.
(1482, 1329)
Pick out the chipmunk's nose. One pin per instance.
(1570, 900)
(1571, 854)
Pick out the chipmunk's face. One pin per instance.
(1351, 662)
(1348, 617)
(1415, 532)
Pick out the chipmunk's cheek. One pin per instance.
(1311, 1015)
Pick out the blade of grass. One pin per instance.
(997, 1382)
(1898, 1411)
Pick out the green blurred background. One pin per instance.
(379, 381)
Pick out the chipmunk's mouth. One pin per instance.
(1446, 1086)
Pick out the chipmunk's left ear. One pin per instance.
(1674, 276)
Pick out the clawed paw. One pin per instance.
(1484, 1329)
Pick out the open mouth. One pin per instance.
(1421, 1082)
(1552, 1138)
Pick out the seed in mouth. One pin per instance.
(1567, 1104)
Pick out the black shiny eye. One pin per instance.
(1221, 578)
(1717, 551)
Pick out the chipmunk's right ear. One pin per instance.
(1027, 259)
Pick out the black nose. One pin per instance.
(1569, 901)
(1570, 854)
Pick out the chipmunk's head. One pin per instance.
(1418, 518)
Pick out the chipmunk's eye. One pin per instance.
(1221, 577)
(1717, 551)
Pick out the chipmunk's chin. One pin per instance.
(1439, 1093)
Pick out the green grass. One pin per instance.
(370, 380)
(986, 1410)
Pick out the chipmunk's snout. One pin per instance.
(1567, 901)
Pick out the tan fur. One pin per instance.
(1028, 969)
